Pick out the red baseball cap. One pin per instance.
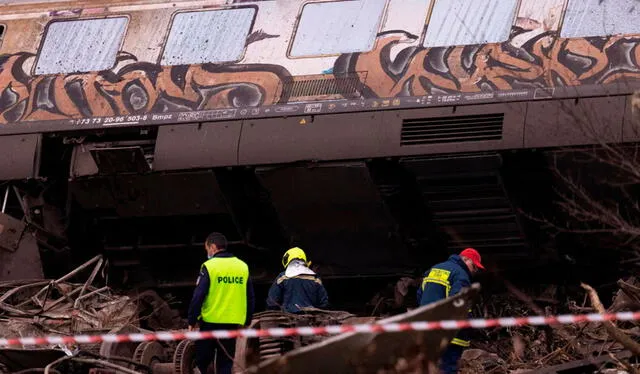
(472, 255)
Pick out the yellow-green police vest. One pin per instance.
(226, 301)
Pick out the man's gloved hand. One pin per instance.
(193, 328)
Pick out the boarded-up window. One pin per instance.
(81, 45)
(337, 27)
(208, 37)
(465, 22)
(601, 18)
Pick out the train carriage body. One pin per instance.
(155, 99)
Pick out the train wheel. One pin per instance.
(149, 353)
(184, 358)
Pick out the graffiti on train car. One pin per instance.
(538, 63)
(136, 87)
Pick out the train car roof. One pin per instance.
(19, 6)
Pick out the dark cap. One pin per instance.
(218, 239)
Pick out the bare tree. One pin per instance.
(599, 189)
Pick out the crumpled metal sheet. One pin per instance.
(368, 352)
(42, 307)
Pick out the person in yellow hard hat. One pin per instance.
(298, 286)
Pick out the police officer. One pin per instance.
(298, 286)
(444, 280)
(223, 300)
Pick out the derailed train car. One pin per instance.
(372, 133)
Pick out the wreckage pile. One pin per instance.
(266, 348)
(555, 348)
(66, 307)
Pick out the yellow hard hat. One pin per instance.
(292, 254)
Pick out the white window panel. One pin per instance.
(407, 15)
(208, 37)
(601, 18)
(337, 27)
(81, 45)
(465, 22)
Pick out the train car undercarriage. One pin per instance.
(358, 219)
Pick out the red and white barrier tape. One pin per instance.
(326, 330)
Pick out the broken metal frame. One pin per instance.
(6, 198)
(353, 351)
(97, 361)
(42, 296)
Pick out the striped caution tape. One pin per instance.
(325, 330)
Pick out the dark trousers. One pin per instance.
(450, 358)
(223, 350)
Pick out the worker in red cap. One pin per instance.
(445, 280)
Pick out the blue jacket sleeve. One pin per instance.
(458, 282)
(322, 297)
(274, 299)
(431, 293)
(199, 294)
(251, 302)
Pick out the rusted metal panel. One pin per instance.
(157, 194)
(208, 37)
(81, 45)
(600, 18)
(368, 352)
(22, 262)
(11, 231)
(19, 156)
(570, 122)
(462, 22)
(197, 146)
(82, 163)
(337, 27)
(349, 136)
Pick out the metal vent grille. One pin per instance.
(345, 87)
(452, 129)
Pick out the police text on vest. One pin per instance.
(231, 280)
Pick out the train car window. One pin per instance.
(337, 27)
(407, 15)
(77, 46)
(585, 18)
(464, 22)
(208, 37)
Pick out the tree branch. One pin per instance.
(613, 331)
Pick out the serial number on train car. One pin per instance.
(86, 121)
